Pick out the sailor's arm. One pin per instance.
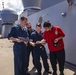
(43, 41)
(15, 39)
(32, 43)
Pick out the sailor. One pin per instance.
(54, 35)
(39, 50)
(19, 35)
(30, 47)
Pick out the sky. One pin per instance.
(14, 4)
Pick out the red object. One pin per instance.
(51, 35)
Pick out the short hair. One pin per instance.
(47, 24)
(38, 24)
(23, 18)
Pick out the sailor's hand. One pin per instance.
(25, 42)
(56, 40)
(18, 40)
(37, 42)
(33, 44)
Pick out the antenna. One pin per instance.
(41, 18)
(3, 5)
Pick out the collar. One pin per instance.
(38, 33)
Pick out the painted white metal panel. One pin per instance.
(67, 23)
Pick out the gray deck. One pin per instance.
(6, 61)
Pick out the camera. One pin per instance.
(56, 44)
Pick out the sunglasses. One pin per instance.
(28, 27)
(38, 25)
